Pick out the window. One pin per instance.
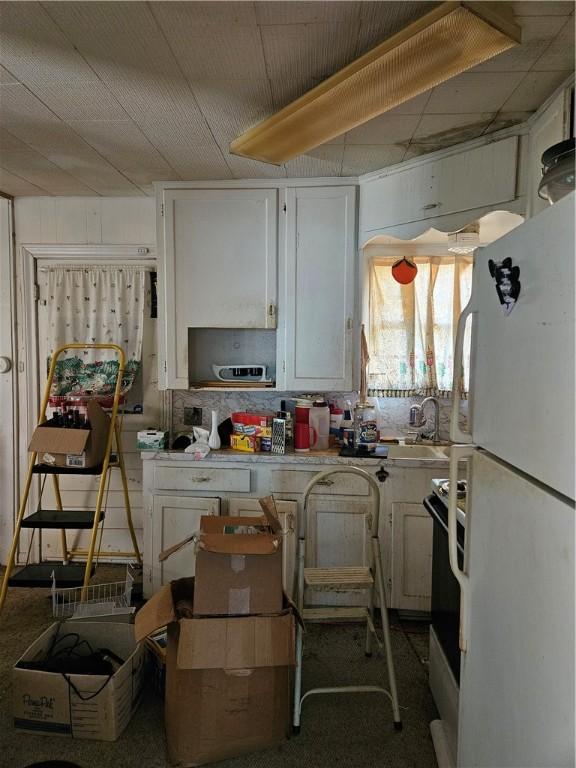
(413, 327)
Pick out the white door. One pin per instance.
(522, 383)
(320, 287)
(8, 451)
(174, 518)
(287, 514)
(517, 677)
(80, 492)
(217, 266)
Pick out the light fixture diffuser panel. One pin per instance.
(447, 41)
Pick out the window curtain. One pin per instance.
(98, 304)
(413, 328)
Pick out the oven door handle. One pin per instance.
(457, 454)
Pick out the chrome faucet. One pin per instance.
(418, 419)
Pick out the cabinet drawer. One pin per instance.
(201, 479)
(295, 481)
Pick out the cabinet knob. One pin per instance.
(325, 482)
(199, 479)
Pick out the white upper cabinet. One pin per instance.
(319, 287)
(217, 266)
(433, 188)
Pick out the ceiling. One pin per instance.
(103, 98)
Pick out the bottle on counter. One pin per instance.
(336, 418)
(365, 426)
(347, 427)
(319, 425)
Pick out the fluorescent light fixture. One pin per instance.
(464, 241)
(450, 39)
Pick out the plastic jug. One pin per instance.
(319, 426)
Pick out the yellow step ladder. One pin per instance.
(69, 574)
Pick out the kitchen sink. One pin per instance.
(418, 452)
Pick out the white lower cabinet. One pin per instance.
(174, 518)
(178, 493)
(287, 513)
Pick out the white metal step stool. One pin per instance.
(329, 579)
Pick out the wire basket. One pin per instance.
(100, 599)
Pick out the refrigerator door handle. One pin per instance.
(457, 453)
(457, 435)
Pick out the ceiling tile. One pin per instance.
(542, 8)
(473, 92)
(533, 91)
(380, 21)
(152, 99)
(245, 168)
(363, 159)
(119, 39)
(80, 101)
(295, 12)
(445, 130)
(215, 51)
(506, 119)
(33, 167)
(186, 155)
(322, 161)
(24, 114)
(413, 106)
(233, 107)
(312, 51)
(560, 54)
(18, 187)
(537, 34)
(35, 50)
(124, 145)
(227, 13)
(385, 129)
(71, 154)
(6, 77)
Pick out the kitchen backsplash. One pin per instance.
(394, 410)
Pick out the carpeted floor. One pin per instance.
(352, 731)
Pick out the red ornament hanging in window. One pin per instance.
(404, 271)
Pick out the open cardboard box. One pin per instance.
(239, 564)
(82, 706)
(65, 447)
(228, 679)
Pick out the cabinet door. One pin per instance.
(174, 518)
(411, 556)
(287, 514)
(217, 266)
(319, 287)
(482, 176)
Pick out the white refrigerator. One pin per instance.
(517, 702)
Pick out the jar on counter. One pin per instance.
(319, 426)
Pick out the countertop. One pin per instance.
(314, 457)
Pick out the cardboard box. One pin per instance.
(247, 443)
(48, 703)
(152, 440)
(65, 447)
(228, 680)
(238, 566)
